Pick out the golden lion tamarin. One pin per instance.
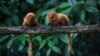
(30, 20)
(56, 19)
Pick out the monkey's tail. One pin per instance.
(69, 44)
(30, 52)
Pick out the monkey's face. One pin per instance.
(31, 17)
(51, 16)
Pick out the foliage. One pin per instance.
(80, 12)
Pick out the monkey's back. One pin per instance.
(62, 19)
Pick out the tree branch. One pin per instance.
(47, 30)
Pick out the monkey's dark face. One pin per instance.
(31, 17)
(51, 16)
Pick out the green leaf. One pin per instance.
(64, 38)
(30, 1)
(91, 3)
(91, 9)
(46, 21)
(49, 10)
(2, 1)
(21, 46)
(67, 11)
(37, 53)
(80, 2)
(15, 19)
(79, 24)
(66, 50)
(5, 10)
(74, 35)
(99, 2)
(10, 42)
(56, 49)
(3, 38)
(64, 5)
(13, 1)
(50, 3)
(1, 24)
(55, 40)
(72, 51)
(22, 37)
(50, 43)
(39, 12)
(82, 16)
(42, 44)
(72, 2)
(38, 38)
(48, 52)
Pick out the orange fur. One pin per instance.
(30, 20)
(56, 19)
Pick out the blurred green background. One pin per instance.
(80, 12)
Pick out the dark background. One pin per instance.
(80, 12)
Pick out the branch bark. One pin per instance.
(47, 30)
